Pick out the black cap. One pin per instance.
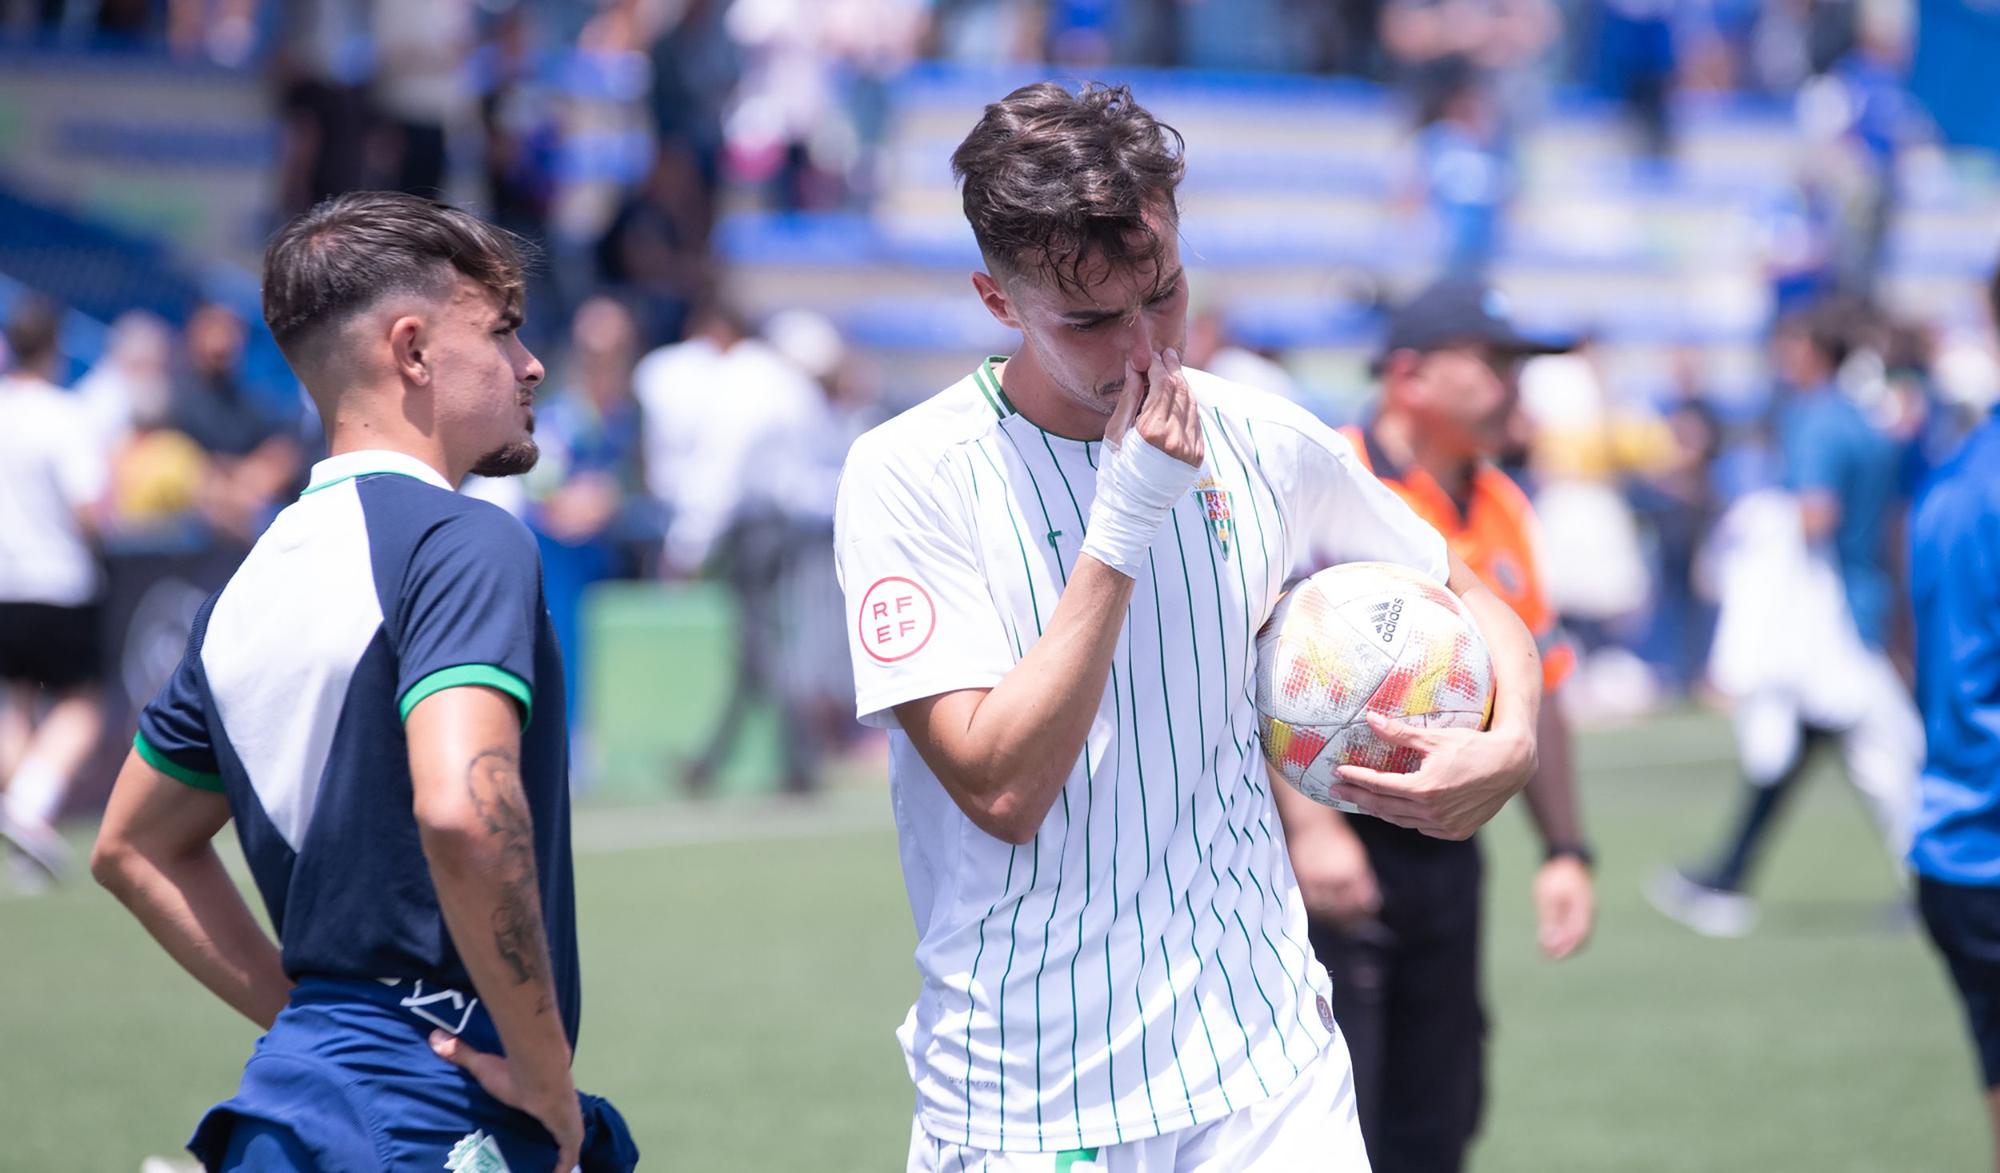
(1457, 310)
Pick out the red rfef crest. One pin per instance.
(1215, 507)
(897, 619)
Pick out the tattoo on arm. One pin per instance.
(493, 780)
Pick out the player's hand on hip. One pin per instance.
(1336, 881)
(1465, 778)
(1565, 906)
(556, 1106)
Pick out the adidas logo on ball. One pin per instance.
(1385, 617)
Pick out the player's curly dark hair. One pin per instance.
(351, 250)
(1055, 182)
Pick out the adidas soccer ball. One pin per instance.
(1357, 638)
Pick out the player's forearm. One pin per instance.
(1303, 819)
(1551, 792)
(1517, 666)
(1021, 741)
(193, 909)
(482, 860)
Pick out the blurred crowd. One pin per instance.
(683, 440)
(610, 130)
(714, 455)
(1633, 494)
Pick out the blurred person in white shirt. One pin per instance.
(421, 90)
(131, 385)
(52, 476)
(1212, 348)
(732, 427)
(707, 404)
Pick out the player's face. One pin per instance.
(486, 380)
(1470, 394)
(1081, 338)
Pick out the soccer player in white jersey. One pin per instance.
(1054, 573)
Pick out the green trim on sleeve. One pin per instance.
(486, 675)
(173, 769)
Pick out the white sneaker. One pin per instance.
(26, 875)
(38, 843)
(1712, 912)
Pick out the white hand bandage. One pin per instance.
(1137, 487)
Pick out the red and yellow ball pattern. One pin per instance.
(1362, 637)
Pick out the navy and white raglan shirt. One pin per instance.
(379, 587)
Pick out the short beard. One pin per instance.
(509, 460)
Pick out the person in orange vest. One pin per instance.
(1394, 914)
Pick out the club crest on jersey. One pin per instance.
(1215, 507)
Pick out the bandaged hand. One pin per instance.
(1153, 452)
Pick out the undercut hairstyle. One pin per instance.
(34, 332)
(351, 251)
(1055, 182)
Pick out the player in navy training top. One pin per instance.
(376, 698)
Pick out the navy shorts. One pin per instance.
(1965, 923)
(56, 647)
(347, 1077)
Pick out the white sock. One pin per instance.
(35, 792)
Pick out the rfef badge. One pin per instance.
(1215, 507)
(897, 619)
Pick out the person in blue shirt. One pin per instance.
(1955, 593)
(1466, 169)
(585, 497)
(1843, 469)
(375, 699)
(1843, 473)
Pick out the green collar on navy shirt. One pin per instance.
(369, 462)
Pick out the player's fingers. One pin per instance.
(453, 1049)
(1404, 799)
(1127, 407)
(1561, 936)
(1187, 411)
(1176, 383)
(489, 1070)
(1387, 805)
(1377, 783)
(1170, 387)
(1158, 408)
(1402, 734)
(1171, 418)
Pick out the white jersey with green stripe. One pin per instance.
(1142, 966)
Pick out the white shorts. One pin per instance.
(1310, 1125)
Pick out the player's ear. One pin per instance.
(409, 345)
(995, 300)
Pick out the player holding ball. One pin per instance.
(1055, 572)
